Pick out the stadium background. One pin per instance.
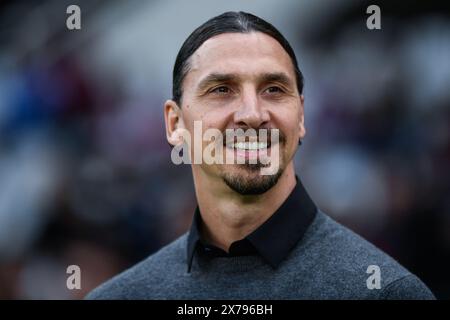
(85, 171)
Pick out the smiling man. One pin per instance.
(254, 235)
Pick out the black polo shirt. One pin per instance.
(273, 240)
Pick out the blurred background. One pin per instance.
(85, 170)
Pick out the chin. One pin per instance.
(246, 179)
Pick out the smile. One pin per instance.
(249, 145)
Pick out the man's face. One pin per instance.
(243, 80)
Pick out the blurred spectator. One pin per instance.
(85, 171)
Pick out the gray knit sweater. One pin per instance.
(330, 262)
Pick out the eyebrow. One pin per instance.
(215, 78)
(279, 77)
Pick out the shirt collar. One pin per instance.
(276, 237)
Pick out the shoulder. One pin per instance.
(144, 278)
(346, 262)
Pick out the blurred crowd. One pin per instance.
(85, 170)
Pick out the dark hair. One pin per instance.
(228, 22)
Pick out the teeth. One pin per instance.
(250, 145)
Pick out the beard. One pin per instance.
(251, 182)
(246, 179)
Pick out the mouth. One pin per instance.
(250, 146)
(249, 151)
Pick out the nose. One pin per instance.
(250, 113)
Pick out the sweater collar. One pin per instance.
(274, 239)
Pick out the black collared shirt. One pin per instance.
(273, 240)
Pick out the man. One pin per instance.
(254, 236)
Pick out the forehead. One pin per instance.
(246, 54)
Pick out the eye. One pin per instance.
(274, 89)
(221, 90)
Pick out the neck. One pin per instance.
(228, 216)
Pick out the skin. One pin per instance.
(245, 98)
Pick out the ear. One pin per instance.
(174, 122)
(301, 120)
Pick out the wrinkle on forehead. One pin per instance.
(234, 52)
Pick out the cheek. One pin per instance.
(290, 128)
(199, 124)
(217, 119)
(192, 119)
(197, 112)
